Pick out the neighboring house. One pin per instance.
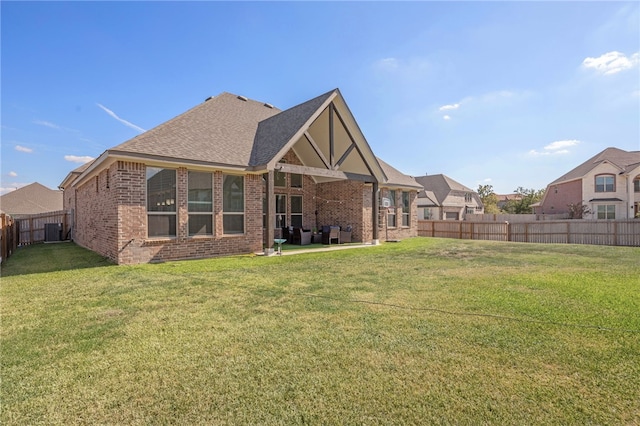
(608, 184)
(442, 198)
(31, 199)
(225, 176)
(504, 199)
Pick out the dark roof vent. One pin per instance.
(210, 97)
(268, 105)
(242, 98)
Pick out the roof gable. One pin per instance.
(441, 185)
(275, 132)
(618, 157)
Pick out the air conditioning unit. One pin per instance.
(386, 202)
(52, 232)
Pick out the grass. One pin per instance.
(419, 332)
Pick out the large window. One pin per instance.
(281, 211)
(636, 185)
(233, 204)
(161, 202)
(200, 203)
(391, 211)
(296, 211)
(605, 183)
(406, 208)
(606, 211)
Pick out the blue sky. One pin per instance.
(502, 93)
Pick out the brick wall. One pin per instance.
(111, 218)
(558, 197)
(96, 213)
(399, 232)
(111, 215)
(341, 203)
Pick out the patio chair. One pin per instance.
(330, 234)
(301, 237)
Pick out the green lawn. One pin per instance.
(426, 331)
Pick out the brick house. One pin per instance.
(608, 184)
(225, 176)
(442, 198)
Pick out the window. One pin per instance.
(636, 185)
(406, 208)
(605, 183)
(281, 211)
(468, 197)
(296, 211)
(427, 213)
(391, 211)
(200, 203)
(232, 204)
(296, 180)
(161, 202)
(606, 211)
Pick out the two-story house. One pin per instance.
(608, 184)
(445, 199)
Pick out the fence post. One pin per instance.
(30, 230)
(508, 231)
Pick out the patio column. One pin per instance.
(375, 212)
(270, 214)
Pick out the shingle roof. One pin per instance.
(31, 199)
(441, 185)
(230, 130)
(274, 132)
(396, 177)
(620, 158)
(220, 130)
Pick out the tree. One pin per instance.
(489, 199)
(522, 204)
(578, 211)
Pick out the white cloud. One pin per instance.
(612, 62)
(386, 64)
(123, 121)
(446, 117)
(78, 159)
(449, 107)
(47, 124)
(561, 145)
(12, 174)
(555, 148)
(23, 149)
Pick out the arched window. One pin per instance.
(605, 183)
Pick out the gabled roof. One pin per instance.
(441, 186)
(623, 160)
(31, 199)
(220, 130)
(233, 132)
(275, 132)
(397, 178)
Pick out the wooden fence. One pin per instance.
(599, 232)
(8, 236)
(31, 229)
(511, 218)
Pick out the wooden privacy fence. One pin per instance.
(31, 229)
(8, 236)
(598, 232)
